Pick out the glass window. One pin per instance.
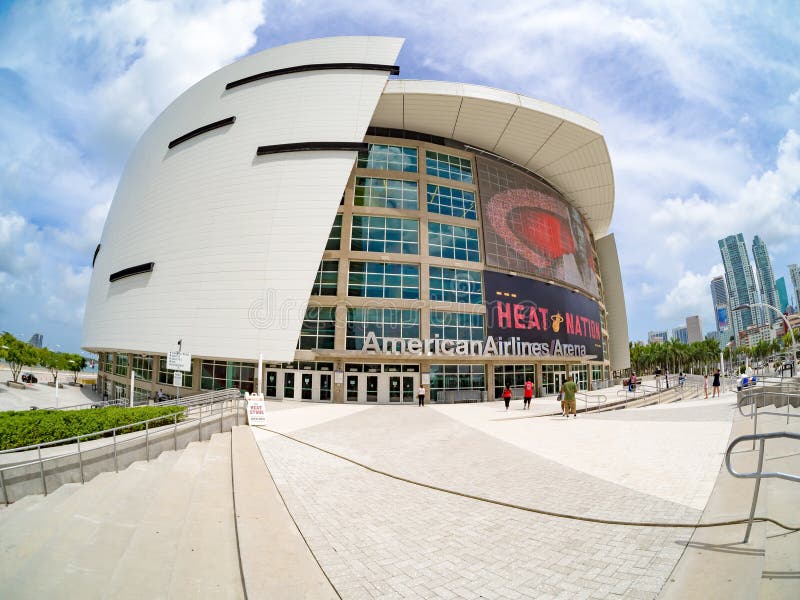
(385, 234)
(165, 376)
(448, 166)
(386, 193)
(513, 376)
(107, 358)
(455, 285)
(456, 326)
(220, 375)
(383, 322)
(319, 328)
(143, 367)
(452, 202)
(325, 283)
(335, 237)
(453, 241)
(456, 377)
(383, 280)
(121, 367)
(390, 158)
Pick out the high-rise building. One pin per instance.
(719, 297)
(37, 340)
(740, 283)
(766, 281)
(794, 275)
(679, 333)
(783, 296)
(657, 337)
(694, 330)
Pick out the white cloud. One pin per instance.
(689, 296)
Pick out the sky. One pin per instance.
(699, 103)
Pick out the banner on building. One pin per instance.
(558, 321)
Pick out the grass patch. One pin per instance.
(24, 428)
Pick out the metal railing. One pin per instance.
(156, 436)
(590, 399)
(759, 474)
(760, 397)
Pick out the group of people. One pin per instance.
(566, 395)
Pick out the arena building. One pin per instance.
(300, 222)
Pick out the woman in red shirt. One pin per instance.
(507, 396)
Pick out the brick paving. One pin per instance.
(377, 537)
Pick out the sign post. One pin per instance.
(177, 362)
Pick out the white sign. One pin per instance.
(256, 410)
(177, 379)
(426, 379)
(179, 361)
(338, 376)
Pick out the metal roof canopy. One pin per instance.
(563, 147)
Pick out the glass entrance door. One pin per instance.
(306, 386)
(553, 377)
(271, 390)
(372, 388)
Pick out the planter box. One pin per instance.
(16, 384)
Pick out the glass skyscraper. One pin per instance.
(794, 275)
(766, 280)
(783, 296)
(740, 282)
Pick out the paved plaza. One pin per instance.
(211, 520)
(379, 537)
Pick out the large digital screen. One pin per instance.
(527, 228)
(559, 321)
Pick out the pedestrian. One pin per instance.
(681, 379)
(568, 389)
(421, 395)
(705, 385)
(528, 395)
(507, 396)
(715, 384)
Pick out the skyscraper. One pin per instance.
(794, 275)
(766, 280)
(783, 296)
(679, 333)
(694, 330)
(740, 282)
(719, 296)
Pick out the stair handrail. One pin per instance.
(759, 474)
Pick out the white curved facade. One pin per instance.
(503, 197)
(234, 264)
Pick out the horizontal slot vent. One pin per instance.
(391, 69)
(306, 146)
(130, 271)
(202, 130)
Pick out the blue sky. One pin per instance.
(699, 104)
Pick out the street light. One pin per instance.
(785, 320)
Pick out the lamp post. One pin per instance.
(785, 320)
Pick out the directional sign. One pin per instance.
(179, 361)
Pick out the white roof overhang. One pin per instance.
(562, 147)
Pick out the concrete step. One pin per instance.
(185, 545)
(781, 571)
(36, 502)
(54, 548)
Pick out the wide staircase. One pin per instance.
(717, 562)
(203, 522)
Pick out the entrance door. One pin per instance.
(402, 388)
(552, 381)
(306, 385)
(271, 390)
(290, 385)
(372, 388)
(351, 393)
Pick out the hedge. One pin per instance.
(24, 428)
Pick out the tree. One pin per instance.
(75, 363)
(53, 361)
(18, 354)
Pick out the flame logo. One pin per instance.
(557, 320)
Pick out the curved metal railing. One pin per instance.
(759, 474)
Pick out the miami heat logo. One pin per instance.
(555, 321)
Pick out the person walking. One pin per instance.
(715, 384)
(507, 396)
(528, 395)
(421, 395)
(568, 389)
(705, 385)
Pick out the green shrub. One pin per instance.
(24, 428)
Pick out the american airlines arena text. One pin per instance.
(357, 235)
